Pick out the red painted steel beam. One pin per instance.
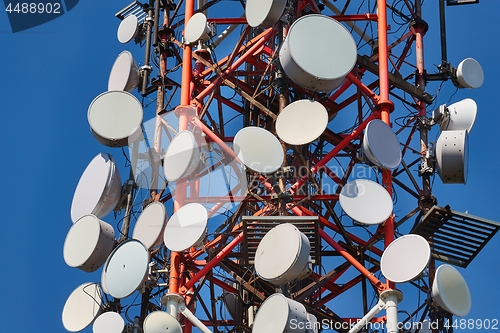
(212, 263)
(366, 245)
(347, 140)
(356, 264)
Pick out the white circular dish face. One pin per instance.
(150, 224)
(196, 29)
(366, 201)
(275, 315)
(450, 291)
(301, 122)
(258, 149)
(461, 116)
(128, 28)
(161, 322)
(182, 156)
(470, 73)
(88, 243)
(124, 73)
(126, 268)
(405, 258)
(98, 189)
(264, 13)
(115, 118)
(334, 55)
(82, 307)
(282, 254)
(452, 157)
(108, 322)
(381, 145)
(186, 228)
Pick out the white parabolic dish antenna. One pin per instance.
(366, 201)
(258, 149)
(276, 313)
(150, 224)
(108, 322)
(186, 228)
(282, 254)
(82, 307)
(461, 116)
(128, 29)
(124, 73)
(452, 156)
(405, 258)
(115, 118)
(103, 281)
(98, 189)
(470, 74)
(88, 243)
(126, 268)
(450, 291)
(264, 13)
(381, 145)
(182, 156)
(161, 322)
(301, 122)
(197, 29)
(318, 53)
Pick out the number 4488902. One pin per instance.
(472, 324)
(34, 8)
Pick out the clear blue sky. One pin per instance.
(51, 73)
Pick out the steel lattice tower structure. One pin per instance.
(235, 80)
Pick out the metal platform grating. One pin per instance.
(455, 238)
(135, 8)
(255, 227)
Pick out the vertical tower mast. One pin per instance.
(288, 170)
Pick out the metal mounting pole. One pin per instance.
(129, 188)
(442, 28)
(146, 68)
(426, 169)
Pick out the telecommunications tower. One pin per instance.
(278, 174)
